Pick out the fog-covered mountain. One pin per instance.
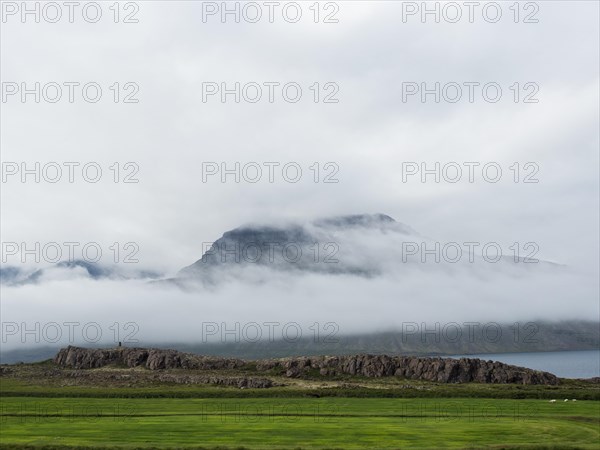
(548, 336)
(362, 245)
(314, 247)
(16, 276)
(363, 276)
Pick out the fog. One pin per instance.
(377, 281)
(175, 208)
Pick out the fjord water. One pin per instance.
(571, 364)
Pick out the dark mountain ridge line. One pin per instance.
(266, 246)
(443, 370)
(565, 335)
(313, 247)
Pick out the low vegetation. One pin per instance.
(50, 407)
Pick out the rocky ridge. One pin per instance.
(443, 370)
(153, 359)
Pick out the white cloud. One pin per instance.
(369, 134)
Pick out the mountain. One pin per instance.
(311, 247)
(550, 336)
(16, 276)
(364, 245)
(360, 245)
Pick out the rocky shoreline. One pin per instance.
(442, 370)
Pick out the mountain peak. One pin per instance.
(355, 220)
(310, 247)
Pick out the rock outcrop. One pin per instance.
(442, 370)
(153, 359)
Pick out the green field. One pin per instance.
(43, 406)
(298, 423)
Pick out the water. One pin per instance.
(577, 364)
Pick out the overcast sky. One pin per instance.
(368, 134)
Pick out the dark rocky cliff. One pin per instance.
(442, 370)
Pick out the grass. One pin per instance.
(380, 388)
(299, 423)
(44, 407)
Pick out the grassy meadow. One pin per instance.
(42, 408)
